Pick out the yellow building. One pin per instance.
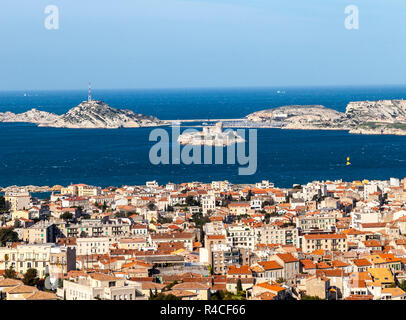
(381, 277)
(20, 214)
(17, 200)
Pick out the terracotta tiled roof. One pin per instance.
(270, 265)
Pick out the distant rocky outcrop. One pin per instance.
(298, 117)
(360, 117)
(88, 114)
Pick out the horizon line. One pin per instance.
(215, 87)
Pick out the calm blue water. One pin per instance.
(48, 156)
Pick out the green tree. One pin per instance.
(104, 207)
(200, 220)
(151, 295)
(85, 216)
(218, 295)
(231, 296)
(306, 297)
(169, 286)
(8, 235)
(239, 285)
(30, 277)
(67, 216)
(162, 296)
(190, 201)
(10, 273)
(3, 204)
(163, 220)
(17, 223)
(151, 206)
(280, 280)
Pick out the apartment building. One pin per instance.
(81, 190)
(17, 200)
(38, 256)
(139, 243)
(97, 228)
(322, 221)
(93, 245)
(41, 232)
(330, 242)
(222, 256)
(274, 233)
(186, 238)
(101, 286)
(362, 216)
(241, 236)
(208, 203)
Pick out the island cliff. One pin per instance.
(360, 117)
(88, 114)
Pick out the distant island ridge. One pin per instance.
(93, 114)
(360, 117)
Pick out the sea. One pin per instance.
(31, 155)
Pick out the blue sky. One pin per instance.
(200, 43)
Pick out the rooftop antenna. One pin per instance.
(89, 96)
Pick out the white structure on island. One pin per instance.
(211, 136)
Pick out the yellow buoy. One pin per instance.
(348, 161)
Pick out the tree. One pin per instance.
(30, 277)
(8, 235)
(104, 207)
(163, 220)
(280, 280)
(66, 216)
(121, 214)
(85, 216)
(10, 273)
(3, 204)
(239, 285)
(211, 271)
(190, 201)
(199, 219)
(163, 296)
(266, 203)
(306, 297)
(151, 206)
(17, 223)
(231, 296)
(402, 285)
(218, 295)
(169, 286)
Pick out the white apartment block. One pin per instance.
(93, 245)
(101, 286)
(241, 236)
(273, 234)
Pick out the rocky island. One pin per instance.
(360, 117)
(91, 114)
(210, 136)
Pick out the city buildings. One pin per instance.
(330, 239)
